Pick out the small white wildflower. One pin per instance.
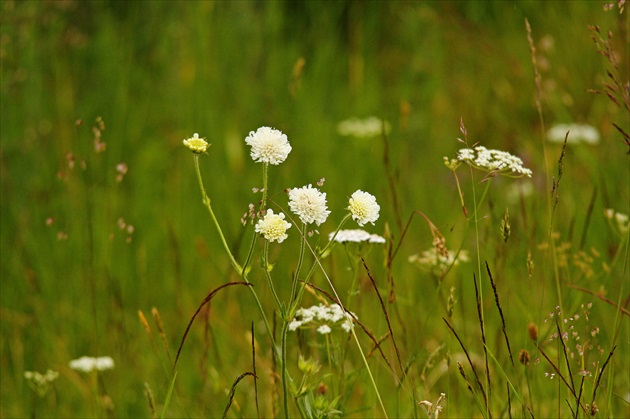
(496, 161)
(40, 383)
(324, 317)
(324, 329)
(578, 133)
(355, 236)
(273, 227)
(363, 207)
(309, 204)
(363, 128)
(431, 261)
(268, 145)
(196, 145)
(88, 364)
(294, 325)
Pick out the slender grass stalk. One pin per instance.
(207, 203)
(378, 394)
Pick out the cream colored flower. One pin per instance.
(355, 236)
(88, 364)
(268, 145)
(273, 227)
(363, 207)
(494, 161)
(196, 145)
(309, 204)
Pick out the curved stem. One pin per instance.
(268, 275)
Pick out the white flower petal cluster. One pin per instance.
(578, 133)
(355, 236)
(430, 260)
(363, 128)
(497, 161)
(88, 364)
(324, 317)
(273, 227)
(309, 204)
(196, 145)
(363, 207)
(268, 145)
(41, 383)
(619, 220)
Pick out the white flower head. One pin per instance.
(363, 207)
(363, 128)
(309, 204)
(196, 145)
(88, 364)
(268, 145)
(578, 133)
(355, 236)
(273, 227)
(324, 329)
(495, 161)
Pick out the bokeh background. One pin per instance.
(89, 238)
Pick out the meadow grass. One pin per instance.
(108, 250)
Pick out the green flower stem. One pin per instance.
(268, 275)
(298, 268)
(285, 391)
(207, 203)
(239, 269)
(378, 395)
(317, 255)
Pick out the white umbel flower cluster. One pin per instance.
(309, 204)
(578, 133)
(324, 317)
(363, 208)
(41, 383)
(355, 236)
(495, 161)
(196, 145)
(430, 260)
(273, 227)
(88, 364)
(363, 128)
(268, 145)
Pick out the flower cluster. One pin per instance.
(619, 221)
(273, 227)
(89, 364)
(494, 161)
(309, 204)
(578, 133)
(196, 145)
(268, 145)
(40, 383)
(363, 128)
(437, 263)
(363, 208)
(355, 236)
(323, 317)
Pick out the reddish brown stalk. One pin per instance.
(233, 390)
(254, 369)
(203, 303)
(612, 303)
(367, 332)
(496, 300)
(599, 377)
(469, 361)
(389, 325)
(483, 335)
(560, 375)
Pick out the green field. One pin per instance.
(108, 249)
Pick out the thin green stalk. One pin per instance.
(476, 219)
(378, 395)
(285, 390)
(207, 203)
(268, 275)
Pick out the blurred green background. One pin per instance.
(73, 279)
